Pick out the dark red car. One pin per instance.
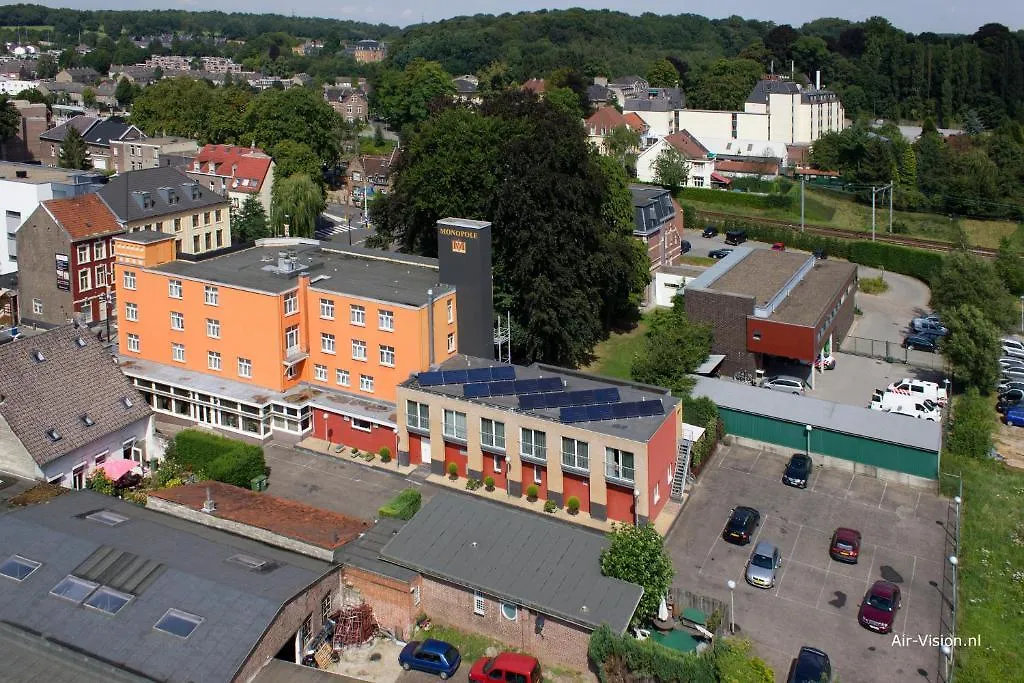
(779, 246)
(845, 545)
(878, 611)
(507, 667)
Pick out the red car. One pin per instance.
(508, 667)
(779, 246)
(845, 545)
(878, 611)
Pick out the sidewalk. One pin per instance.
(321, 447)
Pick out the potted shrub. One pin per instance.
(453, 471)
(385, 454)
(532, 491)
(573, 505)
(489, 483)
(550, 506)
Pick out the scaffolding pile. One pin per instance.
(353, 625)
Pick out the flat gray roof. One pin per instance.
(380, 277)
(521, 557)
(761, 274)
(639, 429)
(364, 552)
(146, 236)
(837, 417)
(808, 300)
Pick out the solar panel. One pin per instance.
(534, 401)
(500, 372)
(477, 390)
(479, 375)
(430, 379)
(653, 408)
(620, 410)
(503, 388)
(600, 412)
(572, 414)
(610, 395)
(455, 376)
(550, 384)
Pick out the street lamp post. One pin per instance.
(732, 606)
(1022, 315)
(954, 561)
(947, 658)
(807, 430)
(636, 507)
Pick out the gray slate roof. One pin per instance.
(54, 394)
(836, 417)
(236, 604)
(81, 123)
(549, 566)
(765, 87)
(118, 194)
(364, 552)
(112, 129)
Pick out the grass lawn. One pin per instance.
(697, 260)
(614, 356)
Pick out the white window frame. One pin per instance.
(515, 611)
(450, 424)
(327, 343)
(177, 321)
(451, 342)
(325, 607)
(495, 442)
(479, 604)
(571, 454)
(451, 310)
(213, 328)
(211, 295)
(84, 253)
(99, 250)
(131, 311)
(132, 341)
(177, 352)
(538, 474)
(417, 415)
(101, 275)
(361, 425)
(37, 307)
(244, 367)
(613, 464)
(343, 377)
(326, 309)
(213, 360)
(416, 597)
(291, 303)
(657, 493)
(320, 372)
(129, 279)
(291, 338)
(529, 446)
(84, 274)
(387, 355)
(358, 350)
(386, 320)
(366, 383)
(357, 315)
(174, 289)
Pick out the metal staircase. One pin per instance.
(682, 469)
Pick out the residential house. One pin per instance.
(658, 222)
(699, 160)
(598, 93)
(370, 174)
(349, 102)
(600, 125)
(65, 261)
(75, 92)
(166, 200)
(67, 408)
(753, 167)
(235, 172)
(78, 74)
(135, 73)
(535, 85)
(18, 69)
(467, 88)
(134, 155)
(98, 134)
(24, 145)
(366, 51)
(657, 107)
(309, 48)
(626, 88)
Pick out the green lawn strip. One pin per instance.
(473, 646)
(697, 260)
(614, 356)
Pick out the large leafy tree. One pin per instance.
(623, 145)
(637, 554)
(73, 151)
(1010, 267)
(671, 168)
(725, 84)
(46, 67)
(966, 279)
(297, 114)
(125, 92)
(297, 202)
(565, 261)
(292, 157)
(10, 119)
(404, 97)
(662, 74)
(972, 347)
(250, 223)
(673, 348)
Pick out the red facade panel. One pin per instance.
(620, 504)
(575, 485)
(661, 455)
(780, 339)
(338, 429)
(531, 473)
(494, 466)
(455, 453)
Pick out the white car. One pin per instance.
(1013, 347)
(784, 383)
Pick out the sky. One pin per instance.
(942, 16)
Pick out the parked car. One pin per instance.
(1013, 347)
(762, 565)
(1009, 399)
(845, 545)
(820, 254)
(507, 666)
(779, 246)
(432, 656)
(1011, 362)
(741, 525)
(736, 237)
(684, 247)
(785, 383)
(798, 471)
(719, 253)
(1008, 385)
(1015, 416)
(1012, 373)
(710, 231)
(920, 342)
(826, 363)
(878, 609)
(810, 666)
(924, 325)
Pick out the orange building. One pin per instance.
(284, 336)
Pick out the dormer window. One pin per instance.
(80, 341)
(127, 402)
(53, 435)
(86, 420)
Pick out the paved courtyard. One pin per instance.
(815, 599)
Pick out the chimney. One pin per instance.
(284, 262)
(464, 260)
(208, 505)
(817, 79)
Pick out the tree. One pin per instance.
(1010, 267)
(404, 97)
(251, 222)
(637, 554)
(298, 114)
(673, 347)
(725, 84)
(671, 169)
(662, 74)
(292, 157)
(623, 144)
(966, 279)
(970, 432)
(89, 97)
(10, 119)
(125, 92)
(378, 137)
(73, 151)
(298, 201)
(972, 346)
(972, 124)
(565, 101)
(46, 67)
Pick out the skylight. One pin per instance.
(81, 342)
(248, 561)
(178, 623)
(108, 600)
(38, 356)
(87, 421)
(107, 517)
(18, 568)
(128, 403)
(53, 434)
(74, 589)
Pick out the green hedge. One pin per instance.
(403, 506)
(219, 458)
(646, 659)
(725, 198)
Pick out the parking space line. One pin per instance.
(701, 570)
(885, 486)
(917, 503)
(906, 612)
(759, 527)
(828, 572)
(872, 565)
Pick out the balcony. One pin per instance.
(294, 355)
(618, 474)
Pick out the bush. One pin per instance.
(99, 482)
(550, 506)
(403, 506)
(573, 505)
(735, 664)
(453, 470)
(472, 484)
(489, 483)
(724, 198)
(532, 491)
(647, 659)
(873, 285)
(385, 454)
(970, 432)
(218, 458)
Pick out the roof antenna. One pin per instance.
(208, 505)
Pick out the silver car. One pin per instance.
(762, 565)
(784, 383)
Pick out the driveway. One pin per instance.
(815, 599)
(886, 316)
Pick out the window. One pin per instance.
(509, 611)
(195, 220)
(291, 303)
(451, 310)
(244, 367)
(178, 352)
(291, 338)
(362, 425)
(99, 250)
(415, 595)
(326, 309)
(417, 415)
(133, 343)
(206, 218)
(387, 356)
(178, 623)
(129, 279)
(306, 630)
(325, 606)
(211, 295)
(213, 360)
(358, 350)
(101, 276)
(106, 517)
(219, 236)
(326, 342)
(84, 279)
(195, 244)
(657, 494)
(320, 372)
(177, 225)
(357, 315)
(451, 343)
(479, 605)
(618, 464)
(538, 475)
(216, 215)
(386, 321)
(177, 321)
(108, 600)
(212, 328)
(533, 444)
(366, 383)
(492, 433)
(174, 289)
(342, 377)
(83, 253)
(159, 226)
(698, 181)
(455, 424)
(74, 589)
(18, 568)
(37, 306)
(575, 454)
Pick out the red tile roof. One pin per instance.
(605, 120)
(634, 121)
(687, 145)
(298, 521)
(536, 85)
(249, 166)
(758, 167)
(83, 217)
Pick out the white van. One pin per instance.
(902, 404)
(920, 389)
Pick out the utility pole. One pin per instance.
(872, 213)
(802, 183)
(891, 188)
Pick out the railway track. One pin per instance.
(826, 231)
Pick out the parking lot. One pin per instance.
(815, 600)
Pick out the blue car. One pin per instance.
(1015, 416)
(432, 656)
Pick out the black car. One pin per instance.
(719, 253)
(1008, 399)
(735, 237)
(798, 471)
(920, 342)
(741, 525)
(810, 666)
(710, 231)
(684, 247)
(820, 254)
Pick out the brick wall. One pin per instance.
(727, 315)
(392, 600)
(559, 642)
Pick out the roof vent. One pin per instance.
(86, 420)
(21, 174)
(81, 342)
(38, 356)
(53, 435)
(208, 505)
(251, 563)
(127, 402)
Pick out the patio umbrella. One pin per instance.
(662, 610)
(115, 469)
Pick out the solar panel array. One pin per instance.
(512, 387)
(562, 399)
(441, 377)
(610, 411)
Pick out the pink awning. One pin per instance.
(721, 178)
(115, 469)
